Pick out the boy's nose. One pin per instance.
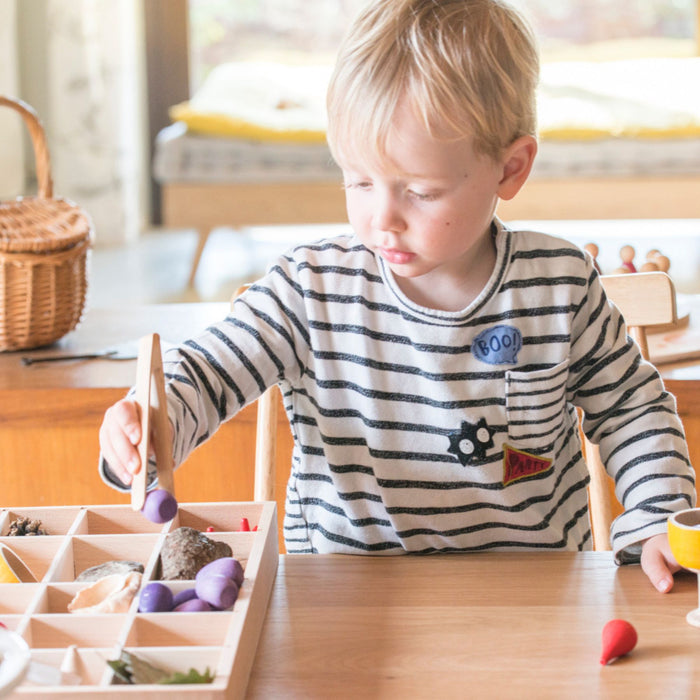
(387, 214)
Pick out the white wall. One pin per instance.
(80, 64)
(11, 125)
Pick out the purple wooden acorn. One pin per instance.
(155, 597)
(226, 566)
(218, 590)
(160, 506)
(184, 596)
(193, 605)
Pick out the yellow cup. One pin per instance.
(684, 537)
(12, 568)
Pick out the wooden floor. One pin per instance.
(155, 269)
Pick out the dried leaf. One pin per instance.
(192, 676)
(132, 669)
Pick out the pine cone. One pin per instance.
(25, 527)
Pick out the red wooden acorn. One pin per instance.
(619, 638)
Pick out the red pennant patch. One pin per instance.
(520, 465)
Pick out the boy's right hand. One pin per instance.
(120, 433)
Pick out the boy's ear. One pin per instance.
(517, 163)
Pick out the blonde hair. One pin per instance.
(467, 68)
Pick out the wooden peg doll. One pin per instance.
(627, 253)
(593, 250)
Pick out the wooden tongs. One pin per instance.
(150, 397)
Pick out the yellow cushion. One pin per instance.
(220, 124)
(642, 98)
(263, 101)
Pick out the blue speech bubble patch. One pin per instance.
(498, 345)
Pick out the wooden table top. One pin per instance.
(494, 625)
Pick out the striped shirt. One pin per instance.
(418, 430)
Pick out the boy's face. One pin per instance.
(427, 211)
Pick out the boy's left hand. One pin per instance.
(658, 563)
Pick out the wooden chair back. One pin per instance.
(645, 299)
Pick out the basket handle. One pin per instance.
(41, 151)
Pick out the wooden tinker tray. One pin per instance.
(81, 537)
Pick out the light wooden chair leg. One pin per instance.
(599, 495)
(266, 446)
(639, 334)
(203, 236)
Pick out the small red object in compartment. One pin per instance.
(210, 529)
(245, 525)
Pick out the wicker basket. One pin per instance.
(44, 243)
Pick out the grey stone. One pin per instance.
(186, 550)
(118, 566)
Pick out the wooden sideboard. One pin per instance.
(682, 379)
(50, 415)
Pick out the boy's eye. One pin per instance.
(423, 196)
(357, 185)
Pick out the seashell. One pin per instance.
(111, 594)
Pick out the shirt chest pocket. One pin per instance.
(535, 405)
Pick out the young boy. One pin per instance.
(432, 360)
